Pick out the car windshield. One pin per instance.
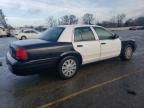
(52, 34)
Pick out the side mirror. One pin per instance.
(115, 36)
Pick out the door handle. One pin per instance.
(79, 45)
(103, 43)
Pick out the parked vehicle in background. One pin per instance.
(15, 32)
(27, 34)
(137, 28)
(133, 28)
(141, 28)
(66, 48)
(4, 32)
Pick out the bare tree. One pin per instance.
(88, 18)
(2, 19)
(113, 21)
(51, 22)
(120, 18)
(73, 19)
(139, 21)
(64, 20)
(119, 21)
(129, 22)
(68, 20)
(135, 22)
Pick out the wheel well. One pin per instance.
(75, 55)
(23, 36)
(130, 44)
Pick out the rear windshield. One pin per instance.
(52, 34)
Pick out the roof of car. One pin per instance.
(74, 26)
(29, 30)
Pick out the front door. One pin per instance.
(34, 34)
(110, 47)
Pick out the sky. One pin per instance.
(35, 12)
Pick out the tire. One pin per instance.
(127, 53)
(68, 67)
(23, 38)
(9, 35)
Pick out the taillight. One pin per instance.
(21, 53)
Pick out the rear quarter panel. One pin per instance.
(48, 51)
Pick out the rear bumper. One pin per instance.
(30, 67)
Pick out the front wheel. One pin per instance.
(68, 67)
(127, 53)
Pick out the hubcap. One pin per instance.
(69, 68)
(128, 52)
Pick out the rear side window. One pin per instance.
(83, 34)
(26, 31)
(33, 31)
(52, 34)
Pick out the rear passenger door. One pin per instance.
(86, 44)
(27, 34)
(33, 34)
(109, 47)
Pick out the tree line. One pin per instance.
(88, 18)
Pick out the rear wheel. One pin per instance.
(23, 38)
(68, 67)
(127, 53)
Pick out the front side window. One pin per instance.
(83, 34)
(52, 34)
(26, 31)
(102, 33)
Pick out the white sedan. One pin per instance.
(66, 48)
(28, 34)
(3, 32)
